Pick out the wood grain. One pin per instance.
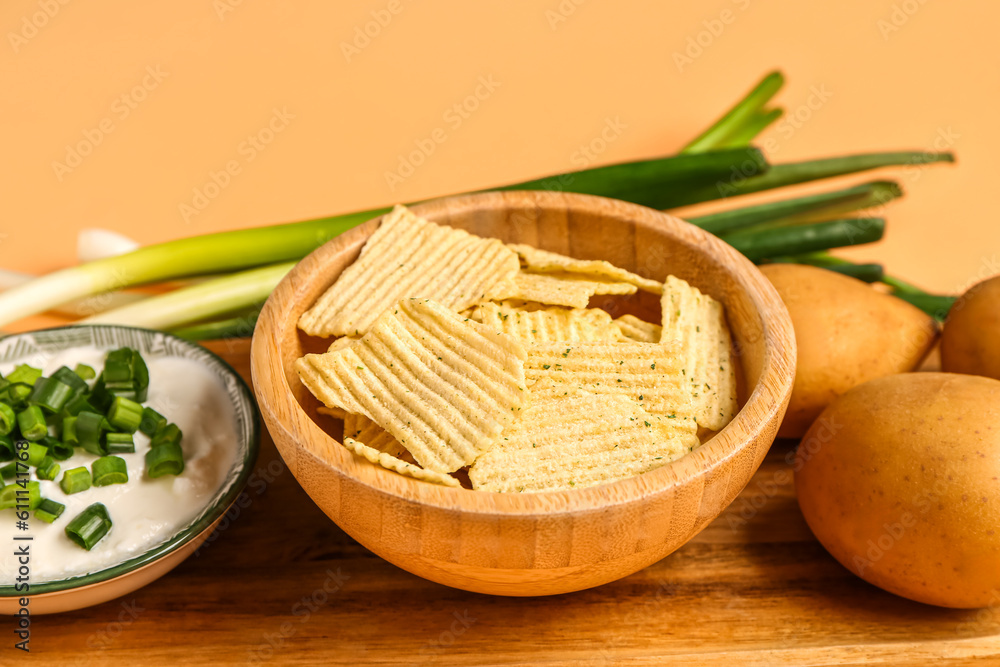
(536, 543)
(753, 588)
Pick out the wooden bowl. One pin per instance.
(535, 543)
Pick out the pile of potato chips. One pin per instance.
(455, 352)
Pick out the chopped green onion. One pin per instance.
(166, 459)
(8, 419)
(151, 422)
(51, 394)
(118, 366)
(31, 421)
(78, 404)
(49, 510)
(10, 470)
(48, 469)
(100, 398)
(65, 375)
(90, 526)
(15, 394)
(169, 434)
(25, 374)
(75, 481)
(125, 414)
(140, 376)
(36, 453)
(21, 495)
(89, 427)
(69, 432)
(57, 449)
(119, 443)
(109, 470)
(85, 372)
(6, 447)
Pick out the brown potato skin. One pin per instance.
(899, 479)
(847, 333)
(970, 342)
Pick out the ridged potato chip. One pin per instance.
(560, 289)
(442, 385)
(363, 429)
(409, 257)
(650, 374)
(550, 324)
(695, 323)
(577, 440)
(536, 260)
(402, 467)
(640, 330)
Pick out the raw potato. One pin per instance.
(898, 480)
(970, 342)
(847, 333)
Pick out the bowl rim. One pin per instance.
(203, 521)
(769, 397)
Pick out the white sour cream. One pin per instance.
(144, 512)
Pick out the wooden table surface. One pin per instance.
(282, 584)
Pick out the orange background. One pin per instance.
(562, 70)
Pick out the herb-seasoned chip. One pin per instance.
(336, 413)
(402, 467)
(442, 386)
(562, 289)
(362, 429)
(409, 257)
(581, 439)
(695, 323)
(640, 330)
(542, 261)
(341, 343)
(650, 374)
(550, 324)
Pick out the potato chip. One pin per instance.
(337, 413)
(402, 467)
(550, 324)
(359, 427)
(341, 343)
(640, 330)
(651, 374)
(443, 386)
(536, 260)
(695, 323)
(582, 439)
(409, 257)
(560, 289)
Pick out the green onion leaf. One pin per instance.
(170, 434)
(69, 432)
(85, 372)
(24, 374)
(75, 481)
(15, 496)
(109, 470)
(36, 452)
(6, 448)
(89, 427)
(57, 449)
(8, 419)
(51, 394)
(90, 526)
(65, 375)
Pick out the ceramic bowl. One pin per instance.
(76, 592)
